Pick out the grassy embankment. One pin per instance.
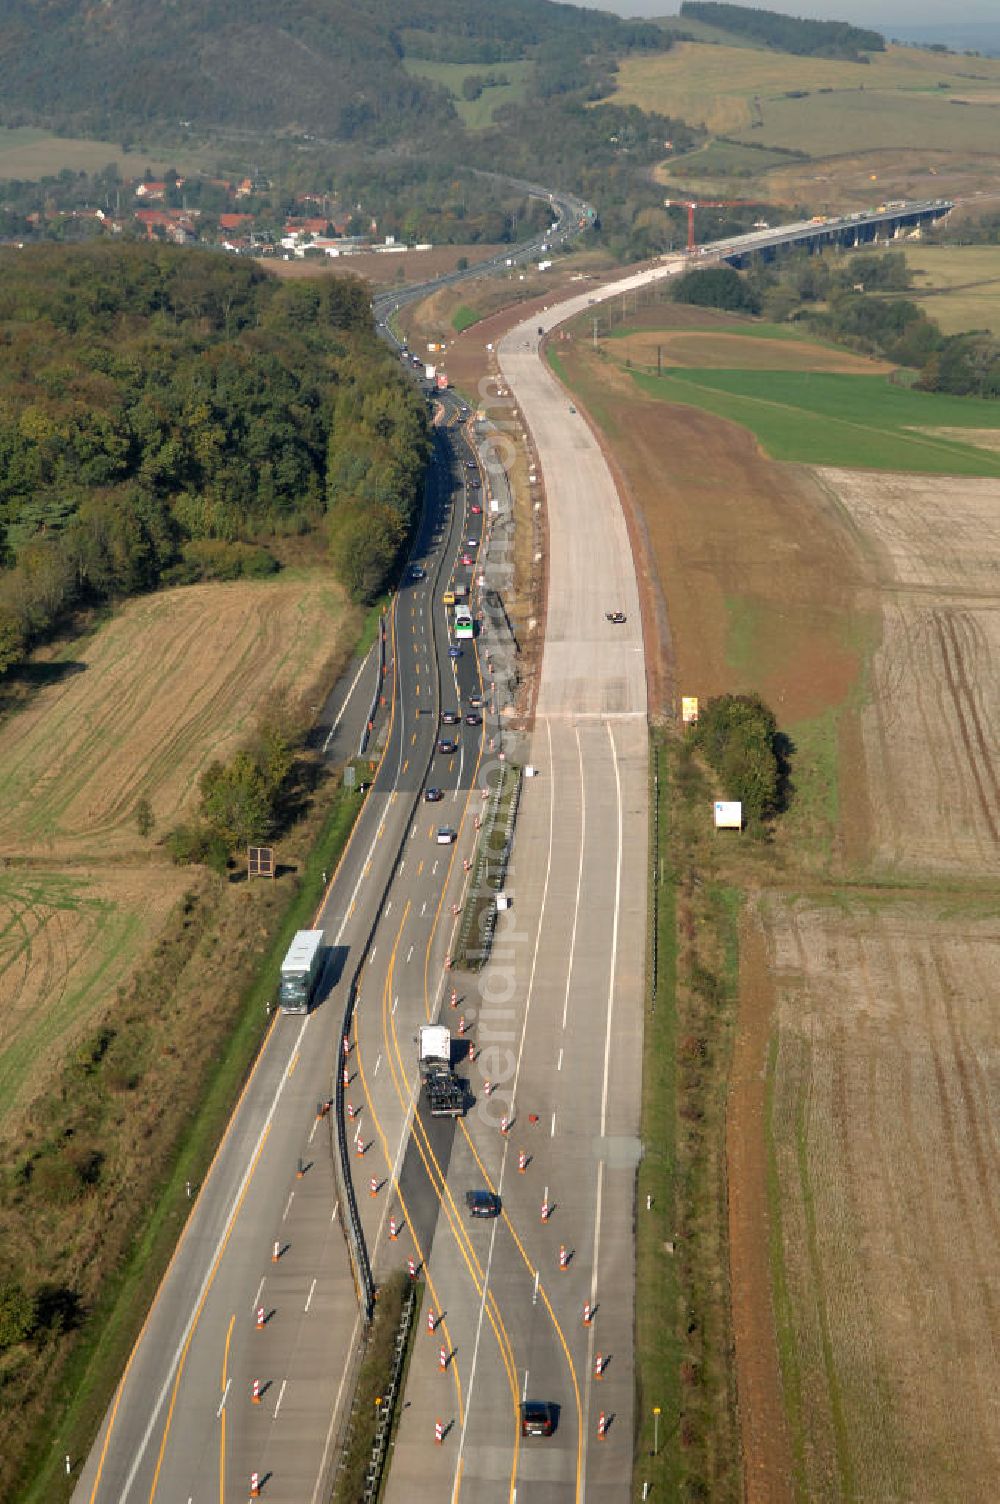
(475, 114)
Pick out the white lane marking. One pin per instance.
(225, 1396)
(281, 1396)
(552, 1130)
(409, 953)
(309, 1297)
(593, 1302)
(214, 1262)
(402, 863)
(434, 869)
(534, 1293)
(579, 875)
(288, 1205)
(524, 1386)
(375, 1071)
(412, 834)
(260, 1289)
(347, 698)
(614, 940)
(559, 1061)
(336, 1209)
(312, 1130)
(475, 1359)
(388, 906)
(371, 954)
(321, 1478)
(423, 910)
(395, 1003)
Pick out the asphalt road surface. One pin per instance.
(260, 1286)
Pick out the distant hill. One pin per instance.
(328, 67)
(770, 28)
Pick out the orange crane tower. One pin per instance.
(707, 203)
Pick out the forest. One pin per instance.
(165, 412)
(804, 38)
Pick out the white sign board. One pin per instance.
(728, 814)
(689, 709)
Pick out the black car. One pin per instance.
(475, 701)
(473, 718)
(536, 1418)
(482, 1204)
(450, 717)
(447, 747)
(433, 796)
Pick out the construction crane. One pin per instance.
(707, 203)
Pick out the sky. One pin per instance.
(884, 15)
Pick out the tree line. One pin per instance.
(851, 298)
(164, 412)
(804, 38)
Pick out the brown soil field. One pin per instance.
(384, 269)
(863, 1159)
(172, 683)
(736, 352)
(884, 1143)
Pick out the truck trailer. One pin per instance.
(445, 1092)
(300, 971)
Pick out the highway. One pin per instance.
(260, 1287)
(183, 1424)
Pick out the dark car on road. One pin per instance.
(450, 717)
(537, 1418)
(482, 1204)
(473, 718)
(447, 747)
(433, 796)
(454, 652)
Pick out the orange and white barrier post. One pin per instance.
(442, 1359)
(275, 1252)
(546, 1210)
(598, 1367)
(472, 1051)
(347, 1076)
(255, 1485)
(505, 1126)
(522, 1162)
(255, 1395)
(393, 1229)
(359, 1143)
(447, 963)
(454, 997)
(438, 1432)
(462, 1025)
(260, 1318)
(431, 1322)
(563, 1257)
(347, 1045)
(588, 1313)
(487, 1087)
(602, 1426)
(411, 1268)
(373, 1186)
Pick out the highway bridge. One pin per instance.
(261, 1286)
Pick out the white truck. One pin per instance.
(300, 971)
(445, 1092)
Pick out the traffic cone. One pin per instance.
(504, 1126)
(260, 1318)
(462, 1025)
(351, 1110)
(588, 1314)
(255, 1396)
(563, 1258)
(522, 1162)
(347, 1076)
(373, 1186)
(442, 1359)
(472, 1051)
(431, 1322)
(255, 1485)
(602, 1426)
(546, 1210)
(487, 1088)
(411, 1268)
(598, 1367)
(275, 1252)
(393, 1229)
(359, 1145)
(447, 963)
(454, 997)
(438, 1432)
(347, 1045)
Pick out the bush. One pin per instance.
(18, 1313)
(215, 559)
(717, 287)
(198, 843)
(737, 735)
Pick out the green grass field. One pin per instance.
(29, 153)
(464, 317)
(957, 285)
(903, 97)
(475, 114)
(823, 418)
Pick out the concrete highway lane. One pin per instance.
(260, 1291)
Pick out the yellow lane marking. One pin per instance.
(421, 867)
(200, 1308)
(222, 1416)
(406, 764)
(438, 1306)
(293, 1063)
(447, 1203)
